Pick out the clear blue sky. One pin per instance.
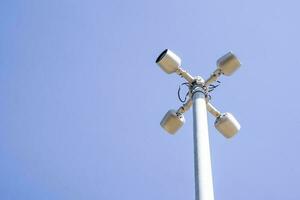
(81, 98)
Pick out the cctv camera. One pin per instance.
(228, 64)
(227, 125)
(172, 121)
(168, 61)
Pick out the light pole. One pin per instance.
(199, 98)
(203, 173)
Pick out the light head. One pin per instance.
(168, 61)
(172, 121)
(228, 64)
(227, 125)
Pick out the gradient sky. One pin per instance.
(81, 98)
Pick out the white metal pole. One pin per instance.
(203, 172)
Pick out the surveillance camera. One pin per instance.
(228, 64)
(227, 125)
(168, 61)
(172, 121)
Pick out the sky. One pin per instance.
(81, 98)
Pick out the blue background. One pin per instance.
(81, 98)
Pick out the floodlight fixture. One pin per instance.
(227, 125)
(226, 65)
(172, 121)
(168, 61)
(199, 97)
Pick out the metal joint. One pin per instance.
(199, 86)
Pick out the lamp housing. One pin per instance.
(227, 125)
(228, 64)
(172, 121)
(168, 61)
